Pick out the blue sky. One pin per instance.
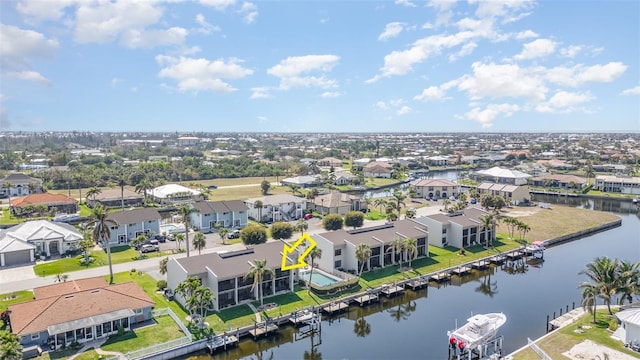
(320, 66)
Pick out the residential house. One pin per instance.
(21, 185)
(459, 229)
(330, 161)
(513, 194)
(339, 247)
(132, 223)
(58, 202)
(173, 194)
(223, 273)
(304, 181)
(281, 207)
(435, 188)
(501, 176)
(438, 160)
(188, 141)
(336, 202)
(343, 178)
(116, 198)
(79, 311)
(210, 215)
(22, 243)
(629, 329)
(559, 181)
(378, 169)
(618, 184)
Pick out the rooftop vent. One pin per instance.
(371, 228)
(235, 253)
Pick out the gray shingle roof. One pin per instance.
(212, 207)
(370, 235)
(134, 216)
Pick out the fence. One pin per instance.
(537, 350)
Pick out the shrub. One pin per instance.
(332, 222)
(613, 325)
(161, 284)
(281, 230)
(253, 234)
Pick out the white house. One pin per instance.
(460, 229)
(132, 223)
(378, 169)
(281, 207)
(513, 194)
(630, 320)
(303, 181)
(501, 176)
(173, 194)
(618, 184)
(210, 215)
(20, 244)
(435, 188)
(21, 185)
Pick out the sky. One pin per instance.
(320, 66)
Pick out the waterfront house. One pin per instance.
(304, 181)
(281, 207)
(114, 198)
(435, 188)
(378, 169)
(21, 185)
(210, 215)
(60, 202)
(560, 181)
(500, 175)
(339, 247)
(223, 273)
(618, 184)
(132, 223)
(78, 311)
(336, 202)
(330, 161)
(458, 229)
(22, 243)
(173, 194)
(343, 178)
(512, 194)
(629, 329)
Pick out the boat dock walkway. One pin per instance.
(221, 342)
(335, 307)
(391, 290)
(461, 270)
(441, 276)
(263, 329)
(417, 283)
(366, 298)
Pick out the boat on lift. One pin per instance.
(478, 330)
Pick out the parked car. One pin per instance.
(473, 200)
(212, 187)
(233, 234)
(308, 216)
(148, 248)
(161, 238)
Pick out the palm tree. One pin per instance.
(399, 197)
(93, 192)
(122, 182)
(78, 177)
(199, 242)
(411, 249)
(488, 223)
(224, 233)
(602, 275)
(294, 189)
(301, 226)
(363, 252)
(101, 231)
(179, 239)
(41, 209)
(10, 346)
(7, 186)
(258, 205)
(184, 211)
(163, 265)
(446, 204)
(589, 295)
(628, 277)
(187, 289)
(368, 200)
(258, 271)
(204, 297)
(511, 224)
(380, 202)
(397, 247)
(142, 187)
(524, 229)
(316, 253)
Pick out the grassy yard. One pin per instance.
(14, 298)
(88, 355)
(163, 330)
(564, 339)
(245, 192)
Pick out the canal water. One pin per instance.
(415, 324)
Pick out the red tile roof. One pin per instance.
(44, 199)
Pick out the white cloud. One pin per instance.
(36, 11)
(564, 101)
(249, 11)
(147, 39)
(205, 27)
(527, 34)
(202, 74)
(330, 94)
(631, 91)
(219, 5)
(406, 3)
(432, 93)
(116, 81)
(29, 75)
(381, 105)
(536, 49)
(263, 119)
(260, 93)
(571, 51)
(443, 11)
(391, 30)
(403, 110)
(20, 46)
(293, 71)
(465, 50)
(510, 11)
(581, 74)
(502, 80)
(487, 116)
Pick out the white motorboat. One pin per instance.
(535, 247)
(477, 331)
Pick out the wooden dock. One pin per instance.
(461, 270)
(301, 317)
(366, 298)
(514, 255)
(263, 329)
(440, 277)
(417, 283)
(480, 264)
(221, 342)
(498, 259)
(391, 290)
(335, 307)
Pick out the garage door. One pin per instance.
(17, 257)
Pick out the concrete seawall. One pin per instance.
(583, 233)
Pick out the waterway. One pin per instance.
(415, 324)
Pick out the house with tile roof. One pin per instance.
(132, 223)
(435, 188)
(223, 273)
(114, 198)
(21, 185)
(561, 181)
(304, 181)
(78, 311)
(62, 203)
(339, 247)
(210, 215)
(173, 194)
(280, 207)
(378, 169)
(513, 194)
(337, 202)
(21, 243)
(500, 175)
(459, 229)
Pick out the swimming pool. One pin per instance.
(171, 229)
(319, 278)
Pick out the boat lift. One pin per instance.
(489, 350)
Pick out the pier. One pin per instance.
(263, 329)
(514, 255)
(221, 342)
(498, 259)
(417, 283)
(480, 264)
(391, 290)
(461, 270)
(367, 298)
(335, 307)
(441, 276)
(301, 317)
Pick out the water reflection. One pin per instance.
(488, 287)
(361, 327)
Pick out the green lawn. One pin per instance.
(374, 214)
(163, 330)
(88, 355)
(14, 298)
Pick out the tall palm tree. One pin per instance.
(316, 253)
(199, 242)
(488, 223)
(79, 178)
(524, 229)
(204, 298)
(179, 240)
(511, 224)
(602, 273)
(224, 234)
(10, 346)
(101, 231)
(628, 278)
(122, 182)
(187, 289)
(411, 249)
(397, 247)
(399, 197)
(93, 192)
(258, 205)
(184, 211)
(363, 253)
(142, 187)
(589, 295)
(258, 272)
(7, 186)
